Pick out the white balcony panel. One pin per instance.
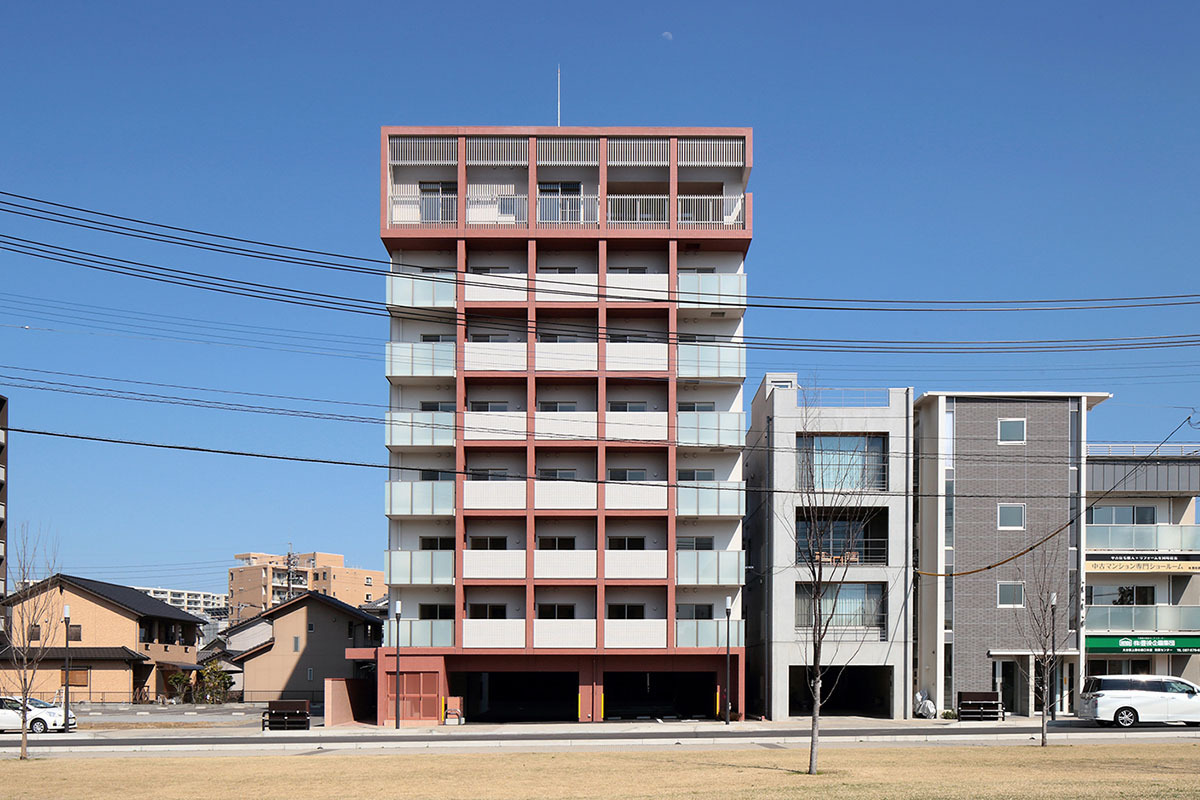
(496, 288)
(710, 567)
(635, 357)
(640, 495)
(714, 360)
(564, 564)
(494, 356)
(493, 563)
(493, 494)
(710, 429)
(709, 633)
(419, 633)
(419, 568)
(494, 425)
(564, 494)
(564, 424)
(419, 498)
(635, 633)
(572, 633)
(479, 633)
(635, 564)
(632, 287)
(422, 290)
(420, 359)
(554, 288)
(496, 209)
(565, 356)
(714, 290)
(1143, 537)
(636, 425)
(710, 499)
(420, 429)
(1147, 619)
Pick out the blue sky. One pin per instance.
(915, 150)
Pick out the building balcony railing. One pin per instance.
(422, 290)
(578, 211)
(709, 633)
(635, 564)
(481, 633)
(1143, 537)
(494, 425)
(419, 498)
(623, 287)
(552, 287)
(437, 211)
(710, 429)
(498, 211)
(1166, 619)
(564, 633)
(635, 425)
(420, 429)
(712, 212)
(710, 567)
(635, 357)
(715, 360)
(636, 495)
(419, 633)
(420, 359)
(495, 495)
(419, 568)
(565, 356)
(635, 633)
(710, 499)
(497, 287)
(563, 495)
(839, 553)
(712, 290)
(564, 424)
(494, 564)
(638, 211)
(494, 356)
(564, 564)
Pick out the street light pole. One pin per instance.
(67, 670)
(396, 633)
(1053, 677)
(728, 676)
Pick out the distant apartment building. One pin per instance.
(264, 580)
(830, 479)
(208, 604)
(565, 428)
(3, 499)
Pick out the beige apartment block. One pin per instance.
(262, 581)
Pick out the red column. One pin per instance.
(601, 406)
(672, 404)
(460, 453)
(462, 182)
(602, 189)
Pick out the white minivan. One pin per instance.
(1129, 699)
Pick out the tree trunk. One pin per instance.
(24, 731)
(814, 741)
(1045, 701)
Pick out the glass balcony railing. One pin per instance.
(712, 360)
(419, 633)
(711, 499)
(419, 498)
(712, 290)
(1143, 537)
(710, 428)
(418, 359)
(1142, 618)
(709, 633)
(420, 429)
(422, 290)
(710, 567)
(419, 568)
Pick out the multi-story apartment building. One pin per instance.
(198, 603)
(3, 499)
(996, 473)
(1142, 560)
(565, 432)
(263, 580)
(829, 472)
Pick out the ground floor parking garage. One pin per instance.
(864, 691)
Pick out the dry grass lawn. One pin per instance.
(1106, 771)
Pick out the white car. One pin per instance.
(41, 716)
(1126, 700)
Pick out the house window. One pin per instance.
(697, 406)
(1010, 594)
(843, 605)
(693, 611)
(694, 543)
(35, 633)
(367, 597)
(311, 627)
(489, 405)
(697, 474)
(369, 580)
(310, 673)
(621, 474)
(437, 405)
(627, 543)
(626, 405)
(435, 611)
(1010, 431)
(626, 611)
(556, 543)
(437, 543)
(838, 463)
(488, 543)
(555, 611)
(1122, 515)
(295, 644)
(74, 633)
(78, 677)
(1010, 516)
(487, 611)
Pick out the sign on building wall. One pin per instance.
(1143, 644)
(1142, 562)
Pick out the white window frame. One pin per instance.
(1010, 583)
(1000, 527)
(1024, 430)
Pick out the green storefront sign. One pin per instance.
(1143, 644)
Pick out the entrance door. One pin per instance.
(419, 698)
(1010, 690)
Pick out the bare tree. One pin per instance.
(1044, 581)
(33, 617)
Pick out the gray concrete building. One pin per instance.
(829, 475)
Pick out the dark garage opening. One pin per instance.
(851, 691)
(677, 695)
(517, 696)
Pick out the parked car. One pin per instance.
(1126, 700)
(41, 716)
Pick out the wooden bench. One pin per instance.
(980, 706)
(286, 715)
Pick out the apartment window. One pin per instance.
(842, 537)
(626, 270)
(843, 605)
(295, 644)
(489, 337)
(436, 543)
(555, 474)
(1119, 595)
(560, 201)
(1122, 515)
(487, 611)
(488, 543)
(558, 270)
(1010, 431)
(693, 611)
(693, 543)
(696, 474)
(436, 475)
(1010, 594)
(488, 474)
(697, 337)
(697, 406)
(622, 474)
(556, 543)
(555, 611)
(437, 405)
(489, 405)
(561, 337)
(487, 270)
(439, 201)
(311, 627)
(697, 270)
(627, 543)
(626, 405)
(435, 611)
(833, 463)
(557, 405)
(369, 581)
(35, 633)
(438, 337)
(626, 611)
(1010, 516)
(630, 338)
(74, 633)
(310, 673)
